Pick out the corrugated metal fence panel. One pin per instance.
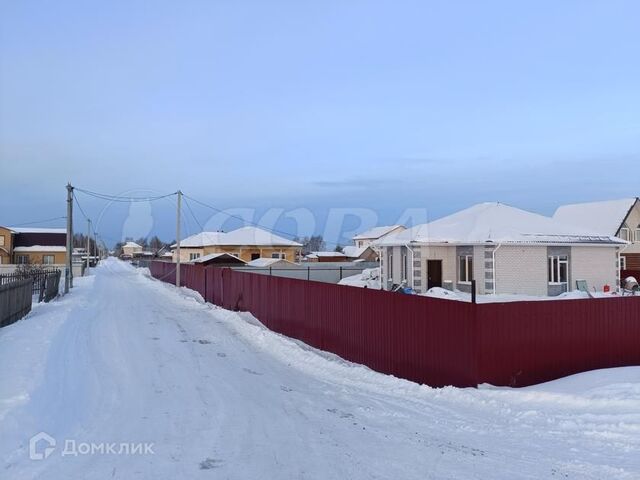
(524, 343)
(422, 339)
(428, 340)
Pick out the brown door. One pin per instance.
(434, 273)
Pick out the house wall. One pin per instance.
(521, 270)
(130, 251)
(6, 246)
(243, 252)
(596, 265)
(36, 257)
(632, 222)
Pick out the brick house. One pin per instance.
(505, 249)
(46, 246)
(620, 218)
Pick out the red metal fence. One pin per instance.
(429, 340)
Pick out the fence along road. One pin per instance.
(15, 301)
(428, 340)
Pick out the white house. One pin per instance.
(365, 239)
(505, 249)
(620, 218)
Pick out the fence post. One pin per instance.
(473, 291)
(308, 273)
(340, 273)
(270, 272)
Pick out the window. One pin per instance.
(466, 268)
(623, 262)
(193, 256)
(558, 269)
(638, 234)
(403, 266)
(255, 256)
(48, 259)
(22, 259)
(624, 233)
(277, 255)
(1, 240)
(391, 265)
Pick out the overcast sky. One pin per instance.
(369, 104)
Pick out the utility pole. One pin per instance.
(88, 244)
(68, 274)
(178, 239)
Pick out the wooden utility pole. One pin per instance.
(178, 239)
(68, 275)
(88, 243)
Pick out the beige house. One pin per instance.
(620, 218)
(365, 239)
(504, 249)
(246, 243)
(131, 249)
(40, 246)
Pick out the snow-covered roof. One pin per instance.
(213, 256)
(353, 251)
(132, 245)
(496, 223)
(602, 217)
(241, 236)
(40, 248)
(325, 254)
(37, 230)
(376, 232)
(268, 262)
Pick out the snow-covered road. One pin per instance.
(127, 359)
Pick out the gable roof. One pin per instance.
(325, 254)
(352, 251)
(496, 223)
(376, 232)
(132, 245)
(603, 217)
(218, 258)
(242, 236)
(269, 262)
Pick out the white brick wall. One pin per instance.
(521, 270)
(596, 265)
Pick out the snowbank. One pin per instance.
(369, 278)
(437, 292)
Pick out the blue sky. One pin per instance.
(288, 104)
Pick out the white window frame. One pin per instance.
(625, 233)
(623, 262)
(555, 272)
(468, 272)
(637, 240)
(2, 241)
(45, 257)
(22, 259)
(194, 256)
(279, 255)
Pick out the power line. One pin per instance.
(39, 221)
(122, 198)
(193, 214)
(243, 220)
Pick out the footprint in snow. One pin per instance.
(285, 388)
(340, 413)
(221, 355)
(209, 463)
(252, 372)
(203, 342)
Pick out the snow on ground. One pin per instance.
(369, 278)
(127, 359)
(438, 292)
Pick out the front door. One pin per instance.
(434, 273)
